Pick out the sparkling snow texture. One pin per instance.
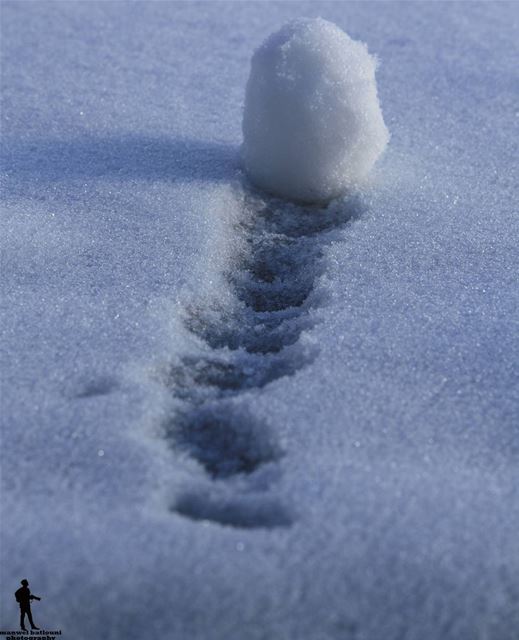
(312, 125)
(226, 416)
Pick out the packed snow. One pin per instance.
(312, 124)
(228, 416)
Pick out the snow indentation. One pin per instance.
(247, 344)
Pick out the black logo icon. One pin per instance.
(23, 597)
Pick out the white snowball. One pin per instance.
(312, 125)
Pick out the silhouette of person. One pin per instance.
(23, 597)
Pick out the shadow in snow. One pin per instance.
(126, 156)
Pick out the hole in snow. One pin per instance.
(224, 439)
(100, 387)
(248, 512)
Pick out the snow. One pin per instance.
(312, 124)
(359, 360)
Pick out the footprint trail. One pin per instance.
(245, 346)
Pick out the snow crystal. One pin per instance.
(312, 125)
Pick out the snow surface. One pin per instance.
(227, 417)
(312, 125)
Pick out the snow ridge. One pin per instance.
(246, 345)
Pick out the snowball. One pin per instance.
(312, 125)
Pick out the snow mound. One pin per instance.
(312, 125)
